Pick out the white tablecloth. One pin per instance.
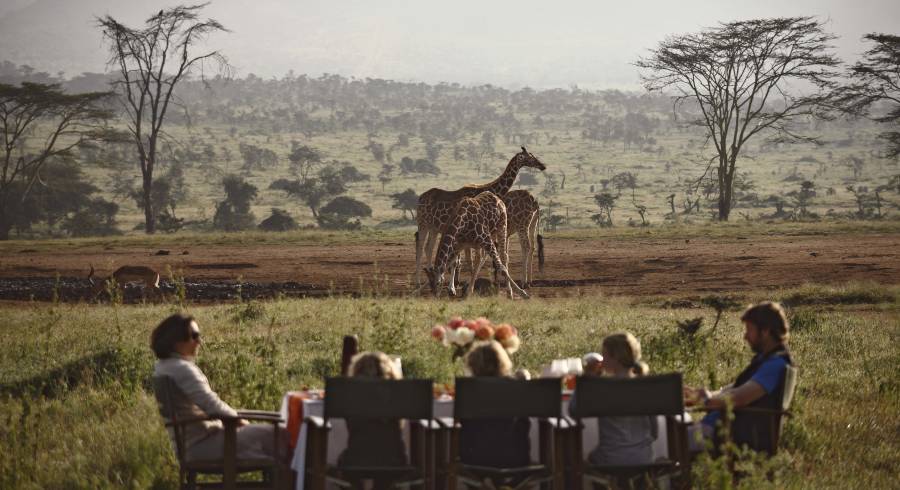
(443, 408)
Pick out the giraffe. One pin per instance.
(436, 205)
(478, 221)
(522, 213)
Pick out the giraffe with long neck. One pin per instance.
(480, 222)
(436, 206)
(522, 213)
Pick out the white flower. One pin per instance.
(464, 336)
(511, 344)
(449, 337)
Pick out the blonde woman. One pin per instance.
(500, 443)
(623, 440)
(376, 442)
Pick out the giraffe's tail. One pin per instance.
(540, 250)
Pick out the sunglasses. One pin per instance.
(195, 335)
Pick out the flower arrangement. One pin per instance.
(461, 334)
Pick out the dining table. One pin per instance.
(297, 405)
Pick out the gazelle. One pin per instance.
(127, 274)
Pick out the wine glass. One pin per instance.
(398, 366)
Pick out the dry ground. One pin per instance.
(630, 266)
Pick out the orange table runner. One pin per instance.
(295, 414)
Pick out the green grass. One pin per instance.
(75, 411)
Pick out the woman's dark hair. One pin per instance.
(176, 328)
(769, 316)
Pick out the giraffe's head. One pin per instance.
(435, 280)
(526, 159)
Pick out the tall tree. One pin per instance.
(746, 77)
(40, 123)
(877, 81)
(151, 61)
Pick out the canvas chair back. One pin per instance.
(367, 398)
(164, 388)
(787, 396)
(500, 397)
(645, 395)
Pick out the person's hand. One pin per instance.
(242, 422)
(694, 396)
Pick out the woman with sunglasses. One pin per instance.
(176, 342)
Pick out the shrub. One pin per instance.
(279, 220)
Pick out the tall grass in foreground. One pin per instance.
(76, 412)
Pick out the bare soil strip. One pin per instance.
(620, 267)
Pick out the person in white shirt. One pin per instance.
(176, 342)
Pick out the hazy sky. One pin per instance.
(519, 43)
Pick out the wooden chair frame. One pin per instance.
(613, 397)
(385, 399)
(776, 416)
(275, 474)
(503, 398)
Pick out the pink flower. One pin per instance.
(455, 323)
(470, 324)
(482, 321)
(484, 332)
(438, 332)
(504, 331)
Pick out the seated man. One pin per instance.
(760, 385)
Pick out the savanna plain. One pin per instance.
(76, 408)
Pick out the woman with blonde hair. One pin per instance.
(374, 442)
(623, 440)
(500, 443)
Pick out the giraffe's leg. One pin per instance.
(510, 284)
(454, 274)
(526, 256)
(481, 259)
(421, 234)
(503, 244)
(532, 242)
(429, 245)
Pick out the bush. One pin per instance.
(343, 213)
(279, 220)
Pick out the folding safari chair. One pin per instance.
(361, 399)
(622, 397)
(274, 473)
(506, 398)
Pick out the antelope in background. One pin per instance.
(127, 274)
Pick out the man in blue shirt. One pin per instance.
(760, 385)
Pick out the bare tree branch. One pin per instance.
(151, 61)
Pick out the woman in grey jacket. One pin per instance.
(176, 342)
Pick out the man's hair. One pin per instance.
(373, 365)
(489, 359)
(769, 316)
(174, 329)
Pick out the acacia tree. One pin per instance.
(743, 76)
(40, 123)
(877, 80)
(151, 61)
